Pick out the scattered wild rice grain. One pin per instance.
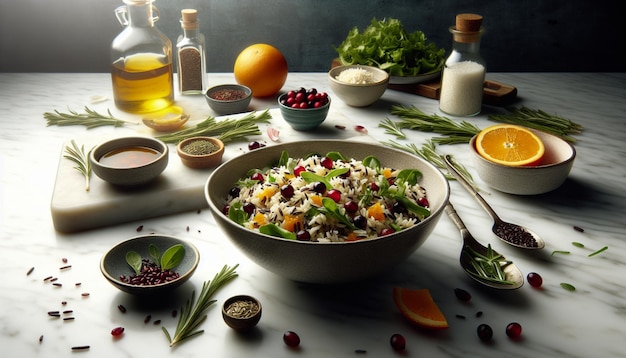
(139, 228)
(53, 313)
(121, 308)
(57, 284)
(77, 284)
(360, 351)
(41, 338)
(65, 267)
(54, 279)
(460, 316)
(47, 278)
(479, 314)
(67, 311)
(187, 228)
(85, 294)
(147, 319)
(579, 229)
(68, 318)
(30, 271)
(199, 211)
(80, 348)
(63, 303)
(174, 313)
(340, 127)
(157, 322)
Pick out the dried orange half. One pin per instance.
(419, 307)
(510, 145)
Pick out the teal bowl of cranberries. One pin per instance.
(150, 264)
(304, 109)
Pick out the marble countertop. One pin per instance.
(335, 321)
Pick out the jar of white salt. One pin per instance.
(464, 70)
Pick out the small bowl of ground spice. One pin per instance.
(228, 98)
(200, 152)
(241, 312)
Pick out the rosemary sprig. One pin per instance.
(89, 119)
(489, 266)
(392, 128)
(226, 130)
(428, 152)
(193, 314)
(78, 156)
(539, 120)
(452, 132)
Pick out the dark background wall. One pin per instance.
(522, 35)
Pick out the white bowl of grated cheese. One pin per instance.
(357, 85)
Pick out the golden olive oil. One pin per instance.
(142, 83)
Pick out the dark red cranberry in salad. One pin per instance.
(255, 145)
(386, 231)
(117, 331)
(327, 163)
(374, 187)
(249, 208)
(303, 235)
(334, 194)
(319, 188)
(360, 221)
(351, 207)
(423, 202)
(225, 209)
(297, 170)
(257, 176)
(287, 191)
(234, 192)
(398, 342)
(291, 339)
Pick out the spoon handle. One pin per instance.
(470, 189)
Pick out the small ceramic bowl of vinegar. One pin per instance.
(129, 160)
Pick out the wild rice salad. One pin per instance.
(328, 199)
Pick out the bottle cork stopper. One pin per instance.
(468, 22)
(189, 19)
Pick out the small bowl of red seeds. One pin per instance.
(228, 98)
(304, 109)
(150, 264)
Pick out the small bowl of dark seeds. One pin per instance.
(200, 152)
(150, 264)
(241, 312)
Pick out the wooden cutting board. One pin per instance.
(494, 93)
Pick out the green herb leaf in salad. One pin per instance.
(387, 45)
(275, 230)
(134, 260)
(172, 257)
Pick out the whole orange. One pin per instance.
(261, 67)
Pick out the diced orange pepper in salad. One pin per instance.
(292, 223)
(376, 211)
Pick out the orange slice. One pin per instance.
(418, 306)
(510, 145)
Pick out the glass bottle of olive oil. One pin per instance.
(141, 60)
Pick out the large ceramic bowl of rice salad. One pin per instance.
(327, 211)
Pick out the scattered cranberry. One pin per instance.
(117, 331)
(462, 295)
(225, 210)
(287, 191)
(485, 333)
(351, 207)
(534, 279)
(374, 187)
(398, 342)
(514, 330)
(334, 194)
(255, 145)
(291, 339)
(423, 202)
(386, 231)
(327, 163)
(249, 208)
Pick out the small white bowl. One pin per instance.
(359, 95)
(554, 169)
(132, 174)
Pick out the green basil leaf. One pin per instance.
(409, 176)
(237, 214)
(155, 254)
(336, 172)
(134, 260)
(335, 156)
(275, 230)
(372, 162)
(284, 158)
(172, 257)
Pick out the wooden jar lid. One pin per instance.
(468, 28)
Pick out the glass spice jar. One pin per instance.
(191, 55)
(464, 69)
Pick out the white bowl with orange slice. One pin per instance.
(521, 161)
